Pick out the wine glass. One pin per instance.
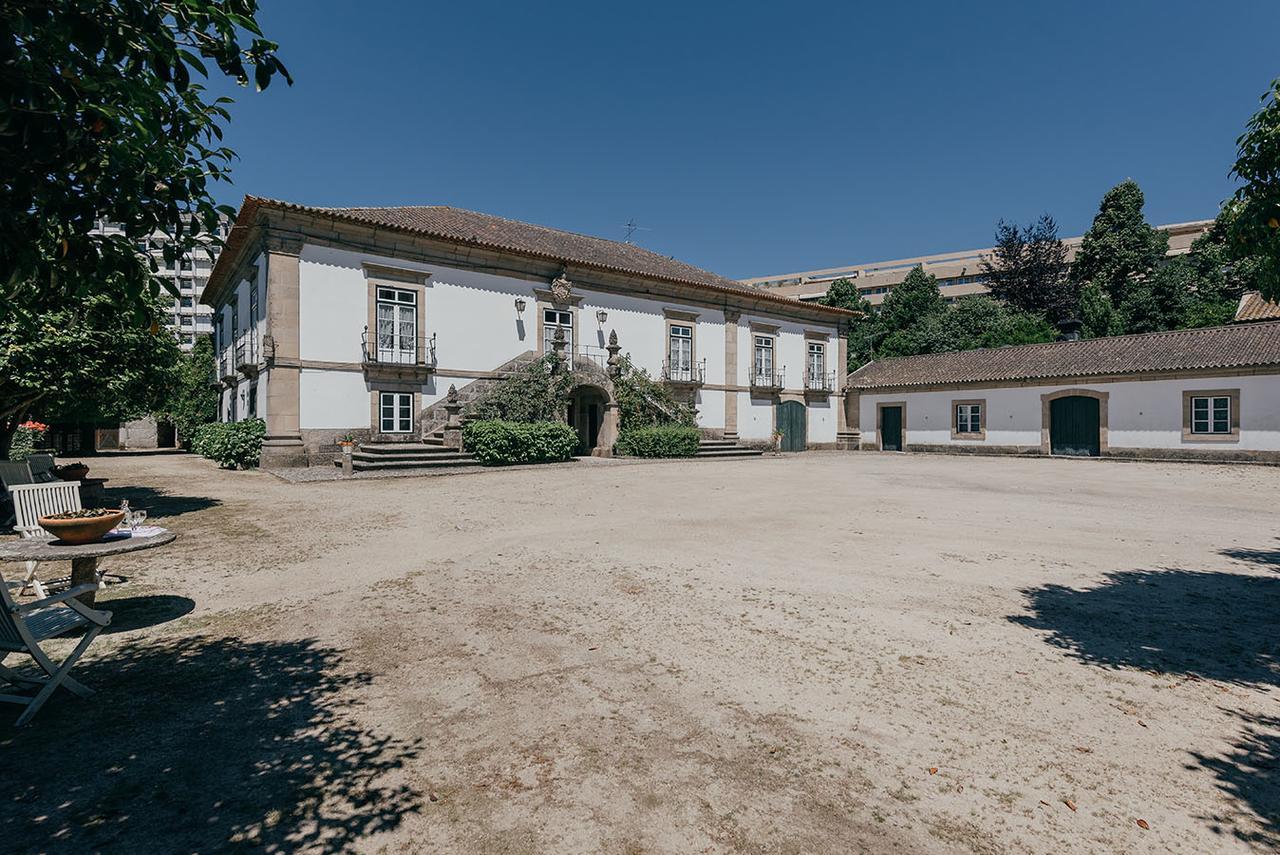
(136, 519)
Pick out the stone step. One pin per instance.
(737, 451)
(717, 443)
(433, 462)
(422, 454)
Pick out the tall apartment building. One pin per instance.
(959, 274)
(189, 317)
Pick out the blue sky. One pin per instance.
(757, 139)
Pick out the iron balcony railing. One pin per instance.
(689, 374)
(762, 378)
(225, 368)
(247, 349)
(398, 351)
(596, 354)
(820, 382)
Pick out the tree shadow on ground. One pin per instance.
(1220, 626)
(158, 503)
(1250, 772)
(203, 744)
(1261, 557)
(1213, 625)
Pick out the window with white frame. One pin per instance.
(969, 418)
(680, 351)
(552, 320)
(817, 365)
(1211, 414)
(395, 412)
(397, 318)
(763, 360)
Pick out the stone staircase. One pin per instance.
(434, 417)
(716, 448)
(429, 454)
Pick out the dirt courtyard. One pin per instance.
(819, 653)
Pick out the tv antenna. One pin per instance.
(632, 228)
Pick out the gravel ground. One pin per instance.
(820, 653)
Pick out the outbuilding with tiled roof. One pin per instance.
(1209, 393)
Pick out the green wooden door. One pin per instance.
(1073, 426)
(891, 428)
(791, 421)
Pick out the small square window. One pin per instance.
(1211, 415)
(395, 411)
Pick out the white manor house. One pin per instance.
(331, 321)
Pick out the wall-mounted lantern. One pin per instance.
(602, 316)
(520, 304)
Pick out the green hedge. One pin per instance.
(659, 441)
(501, 443)
(233, 445)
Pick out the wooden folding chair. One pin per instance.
(23, 627)
(41, 468)
(32, 501)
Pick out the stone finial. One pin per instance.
(614, 363)
(558, 344)
(453, 394)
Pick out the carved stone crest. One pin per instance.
(561, 287)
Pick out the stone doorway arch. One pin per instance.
(593, 409)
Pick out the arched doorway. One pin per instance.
(587, 407)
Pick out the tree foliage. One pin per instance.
(537, 392)
(193, 399)
(645, 402)
(843, 294)
(1027, 269)
(1255, 221)
(103, 118)
(972, 322)
(1120, 246)
(83, 362)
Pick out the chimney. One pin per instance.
(1069, 329)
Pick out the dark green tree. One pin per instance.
(910, 301)
(971, 322)
(1120, 246)
(103, 119)
(1158, 301)
(1255, 223)
(1027, 269)
(843, 294)
(83, 362)
(193, 400)
(1098, 313)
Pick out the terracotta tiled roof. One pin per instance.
(1228, 347)
(1253, 308)
(499, 233)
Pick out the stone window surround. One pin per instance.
(759, 328)
(880, 405)
(955, 419)
(679, 317)
(1233, 394)
(546, 299)
(1046, 399)
(823, 338)
(380, 275)
(375, 411)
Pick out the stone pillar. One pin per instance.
(846, 438)
(453, 420)
(731, 317)
(282, 446)
(608, 431)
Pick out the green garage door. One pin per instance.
(1073, 426)
(792, 423)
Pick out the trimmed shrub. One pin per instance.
(232, 445)
(659, 441)
(501, 443)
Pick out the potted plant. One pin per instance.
(346, 442)
(71, 471)
(776, 440)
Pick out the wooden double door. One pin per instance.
(793, 421)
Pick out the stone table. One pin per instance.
(84, 557)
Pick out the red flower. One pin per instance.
(34, 426)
